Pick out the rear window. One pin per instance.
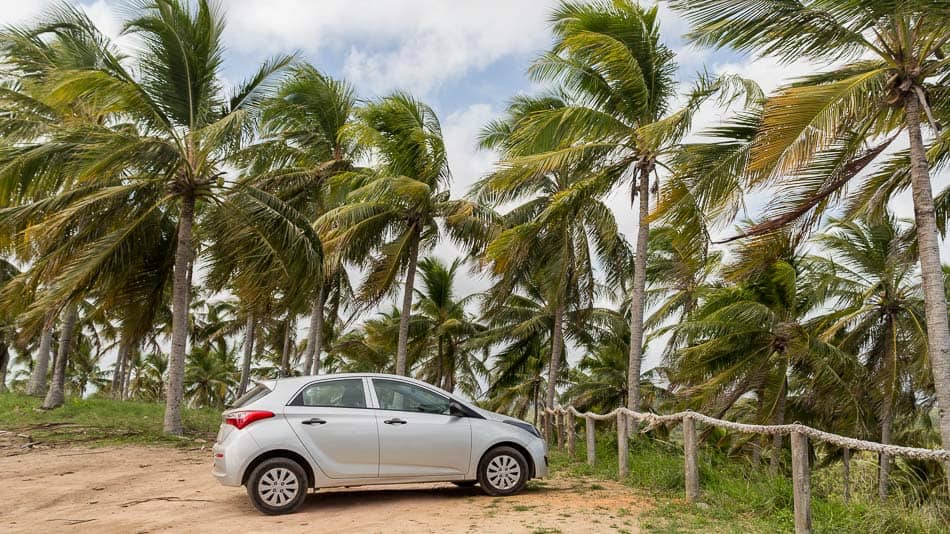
(259, 391)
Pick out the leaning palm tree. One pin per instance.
(161, 144)
(813, 133)
(390, 214)
(609, 59)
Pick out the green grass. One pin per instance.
(101, 422)
(739, 498)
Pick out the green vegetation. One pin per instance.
(737, 496)
(148, 215)
(99, 421)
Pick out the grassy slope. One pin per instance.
(739, 498)
(101, 422)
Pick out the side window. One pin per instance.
(335, 393)
(395, 395)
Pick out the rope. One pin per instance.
(845, 442)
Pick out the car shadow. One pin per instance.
(340, 499)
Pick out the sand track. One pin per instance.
(151, 489)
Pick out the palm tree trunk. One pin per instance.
(887, 407)
(557, 346)
(4, 364)
(37, 385)
(935, 300)
(121, 362)
(441, 364)
(315, 336)
(402, 349)
(248, 353)
(779, 419)
(56, 394)
(884, 461)
(181, 297)
(285, 353)
(638, 296)
(127, 377)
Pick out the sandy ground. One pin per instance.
(148, 489)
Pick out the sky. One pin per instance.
(465, 58)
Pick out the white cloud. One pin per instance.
(416, 45)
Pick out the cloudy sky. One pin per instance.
(465, 58)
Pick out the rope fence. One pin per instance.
(564, 422)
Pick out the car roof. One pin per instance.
(301, 380)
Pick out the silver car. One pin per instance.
(286, 436)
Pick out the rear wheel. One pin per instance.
(277, 486)
(503, 471)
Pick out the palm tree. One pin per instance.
(168, 135)
(390, 214)
(751, 336)
(443, 319)
(210, 376)
(539, 238)
(302, 150)
(893, 76)
(609, 59)
(877, 311)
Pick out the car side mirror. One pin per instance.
(456, 409)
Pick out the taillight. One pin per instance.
(240, 420)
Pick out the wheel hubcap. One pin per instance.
(503, 472)
(278, 486)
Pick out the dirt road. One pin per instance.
(145, 489)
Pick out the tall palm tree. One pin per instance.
(878, 311)
(893, 76)
(539, 238)
(302, 150)
(390, 214)
(609, 58)
(169, 132)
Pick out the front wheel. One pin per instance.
(503, 471)
(277, 486)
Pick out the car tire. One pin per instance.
(502, 471)
(277, 486)
(465, 483)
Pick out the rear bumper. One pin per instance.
(232, 458)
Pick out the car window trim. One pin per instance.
(300, 390)
(377, 406)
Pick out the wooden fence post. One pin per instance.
(571, 426)
(591, 440)
(623, 457)
(559, 430)
(801, 483)
(846, 466)
(691, 467)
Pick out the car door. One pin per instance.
(417, 437)
(333, 420)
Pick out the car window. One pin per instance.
(335, 393)
(396, 395)
(256, 393)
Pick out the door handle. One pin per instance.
(395, 421)
(314, 421)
